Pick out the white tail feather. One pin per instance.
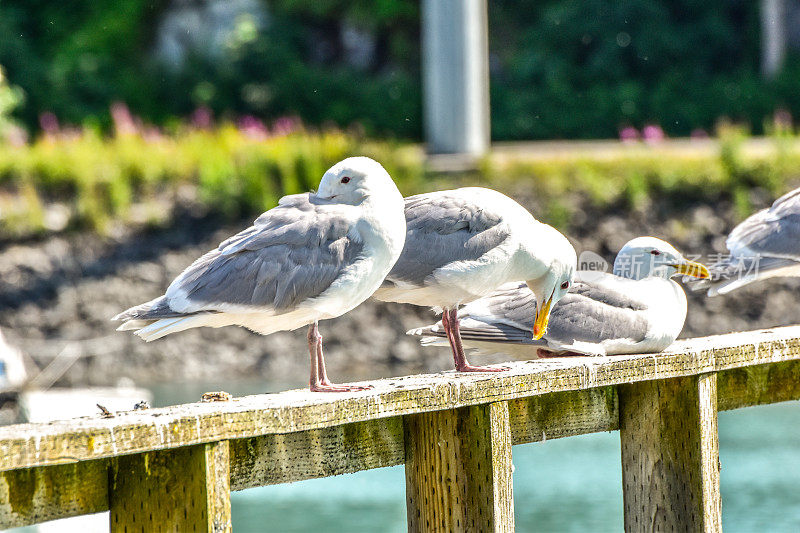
(133, 324)
(166, 326)
(727, 286)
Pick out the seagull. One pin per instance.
(765, 245)
(461, 244)
(637, 309)
(314, 256)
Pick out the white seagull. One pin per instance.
(464, 243)
(314, 256)
(637, 309)
(765, 245)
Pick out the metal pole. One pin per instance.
(773, 37)
(455, 62)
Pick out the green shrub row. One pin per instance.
(85, 181)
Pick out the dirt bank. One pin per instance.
(60, 292)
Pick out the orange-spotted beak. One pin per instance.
(695, 270)
(540, 321)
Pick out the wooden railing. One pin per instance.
(173, 468)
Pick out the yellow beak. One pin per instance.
(540, 322)
(695, 270)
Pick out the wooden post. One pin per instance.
(773, 37)
(458, 470)
(670, 454)
(186, 489)
(455, 68)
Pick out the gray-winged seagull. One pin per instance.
(765, 245)
(314, 256)
(637, 309)
(462, 244)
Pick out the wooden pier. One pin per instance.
(173, 468)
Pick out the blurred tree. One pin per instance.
(560, 68)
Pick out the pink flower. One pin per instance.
(699, 133)
(629, 134)
(202, 118)
(124, 124)
(152, 134)
(782, 120)
(49, 123)
(286, 125)
(253, 127)
(16, 136)
(653, 134)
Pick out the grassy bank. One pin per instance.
(80, 180)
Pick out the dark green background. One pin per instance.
(560, 68)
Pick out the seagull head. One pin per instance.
(645, 257)
(352, 180)
(560, 261)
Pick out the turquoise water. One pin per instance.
(563, 485)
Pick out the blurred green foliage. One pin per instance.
(560, 68)
(82, 180)
(94, 182)
(566, 69)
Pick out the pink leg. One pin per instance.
(318, 382)
(451, 327)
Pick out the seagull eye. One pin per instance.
(346, 179)
(565, 286)
(655, 252)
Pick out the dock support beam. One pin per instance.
(455, 69)
(186, 489)
(458, 470)
(670, 454)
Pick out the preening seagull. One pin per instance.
(765, 245)
(314, 256)
(637, 309)
(462, 244)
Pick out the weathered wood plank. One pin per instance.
(157, 429)
(330, 451)
(563, 414)
(187, 489)
(458, 470)
(33, 495)
(288, 457)
(670, 455)
(758, 385)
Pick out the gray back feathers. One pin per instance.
(773, 232)
(443, 228)
(292, 253)
(587, 313)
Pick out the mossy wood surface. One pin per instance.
(670, 455)
(74, 440)
(458, 470)
(764, 370)
(186, 489)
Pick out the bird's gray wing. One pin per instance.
(513, 304)
(591, 312)
(773, 232)
(291, 253)
(443, 228)
(505, 316)
(594, 313)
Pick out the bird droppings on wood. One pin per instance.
(217, 396)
